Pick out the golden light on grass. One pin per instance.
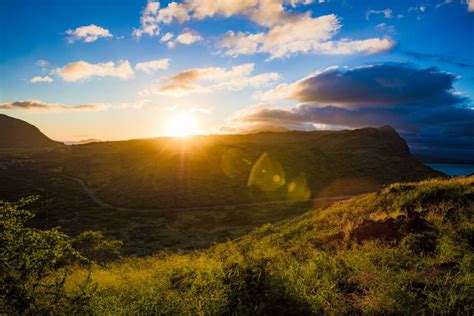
(182, 125)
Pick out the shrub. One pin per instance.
(30, 259)
(96, 247)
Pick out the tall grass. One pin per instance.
(313, 264)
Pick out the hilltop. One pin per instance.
(18, 134)
(238, 169)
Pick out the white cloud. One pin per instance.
(80, 70)
(387, 13)
(148, 21)
(152, 66)
(419, 10)
(442, 4)
(386, 28)
(304, 35)
(209, 8)
(205, 80)
(37, 79)
(288, 31)
(348, 47)
(173, 11)
(185, 38)
(167, 37)
(87, 34)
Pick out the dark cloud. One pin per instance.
(381, 84)
(33, 105)
(328, 115)
(420, 103)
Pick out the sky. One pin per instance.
(117, 69)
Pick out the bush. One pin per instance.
(30, 262)
(96, 247)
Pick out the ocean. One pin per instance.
(452, 169)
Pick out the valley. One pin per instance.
(183, 194)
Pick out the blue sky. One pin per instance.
(106, 70)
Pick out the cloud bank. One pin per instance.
(422, 104)
(205, 80)
(370, 85)
(38, 106)
(287, 31)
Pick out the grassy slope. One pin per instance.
(406, 249)
(214, 170)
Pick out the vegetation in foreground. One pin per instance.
(407, 249)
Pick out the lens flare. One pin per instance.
(298, 189)
(267, 174)
(235, 163)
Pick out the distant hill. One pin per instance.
(262, 129)
(237, 169)
(83, 141)
(18, 134)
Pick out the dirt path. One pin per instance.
(104, 204)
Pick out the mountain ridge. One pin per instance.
(19, 134)
(216, 169)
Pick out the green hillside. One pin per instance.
(408, 249)
(405, 250)
(235, 169)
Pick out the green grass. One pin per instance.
(315, 263)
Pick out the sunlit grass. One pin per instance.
(310, 264)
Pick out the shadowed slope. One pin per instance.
(18, 134)
(234, 169)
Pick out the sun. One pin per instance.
(182, 125)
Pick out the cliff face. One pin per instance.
(18, 134)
